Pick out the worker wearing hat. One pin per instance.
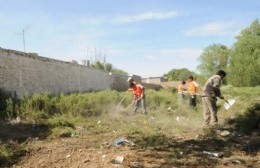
(139, 94)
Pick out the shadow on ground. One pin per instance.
(22, 131)
(13, 138)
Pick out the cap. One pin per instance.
(130, 78)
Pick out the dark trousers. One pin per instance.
(193, 99)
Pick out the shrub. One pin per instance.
(8, 104)
(10, 153)
(60, 121)
(249, 120)
(61, 132)
(38, 107)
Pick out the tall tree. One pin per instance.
(214, 58)
(245, 60)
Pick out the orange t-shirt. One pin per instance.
(180, 88)
(137, 90)
(192, 87)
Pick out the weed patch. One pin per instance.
(10, 153)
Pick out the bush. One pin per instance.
(161, 99)
(38, 107)
(10, 153)
(249, 120)
(8, 104)
(61, 132)
(60, 121)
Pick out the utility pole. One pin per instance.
(23, 34)
(105, 66)
(23, 42)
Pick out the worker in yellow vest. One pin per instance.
(193, 90)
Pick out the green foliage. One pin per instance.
(10, 153)
(118, 71)
(8, 104)
(179, 74)
(38, 107)
(249, 120)
(214, 58)
(98, 65)
(61, 132)
(245, 60)
(61, 121)
(108, 67)
(160, 99)
(241, 92)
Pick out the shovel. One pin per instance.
(228, 103)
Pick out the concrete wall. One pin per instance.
(28, 73)
(154, 80)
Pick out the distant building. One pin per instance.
(159, 83)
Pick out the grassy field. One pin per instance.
(170, 127)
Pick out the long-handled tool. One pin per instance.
(133, 103)
(121, 100)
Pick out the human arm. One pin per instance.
(216, 82)
(198, 90)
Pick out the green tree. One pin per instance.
(108, 67)
(214, 58)
(178, 74)
(245, 59)
(98, 65)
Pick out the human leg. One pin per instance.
(193, 101)
(137, 102)
(143, 102)
(212, 107)
(206, 112)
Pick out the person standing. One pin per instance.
(210, 93)
(193, 89)
(139, 94)
(181, 89)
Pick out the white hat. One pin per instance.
(130, 78)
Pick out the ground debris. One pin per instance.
(118, 160)
(216, 154)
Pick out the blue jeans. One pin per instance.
(143, 103)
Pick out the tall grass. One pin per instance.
(162, 105)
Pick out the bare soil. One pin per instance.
(93, 151)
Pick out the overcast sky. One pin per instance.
(143, 37)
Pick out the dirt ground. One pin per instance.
(91, 151)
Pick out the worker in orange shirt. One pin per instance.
(193, 89)
(181, 89)
(139, 94)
